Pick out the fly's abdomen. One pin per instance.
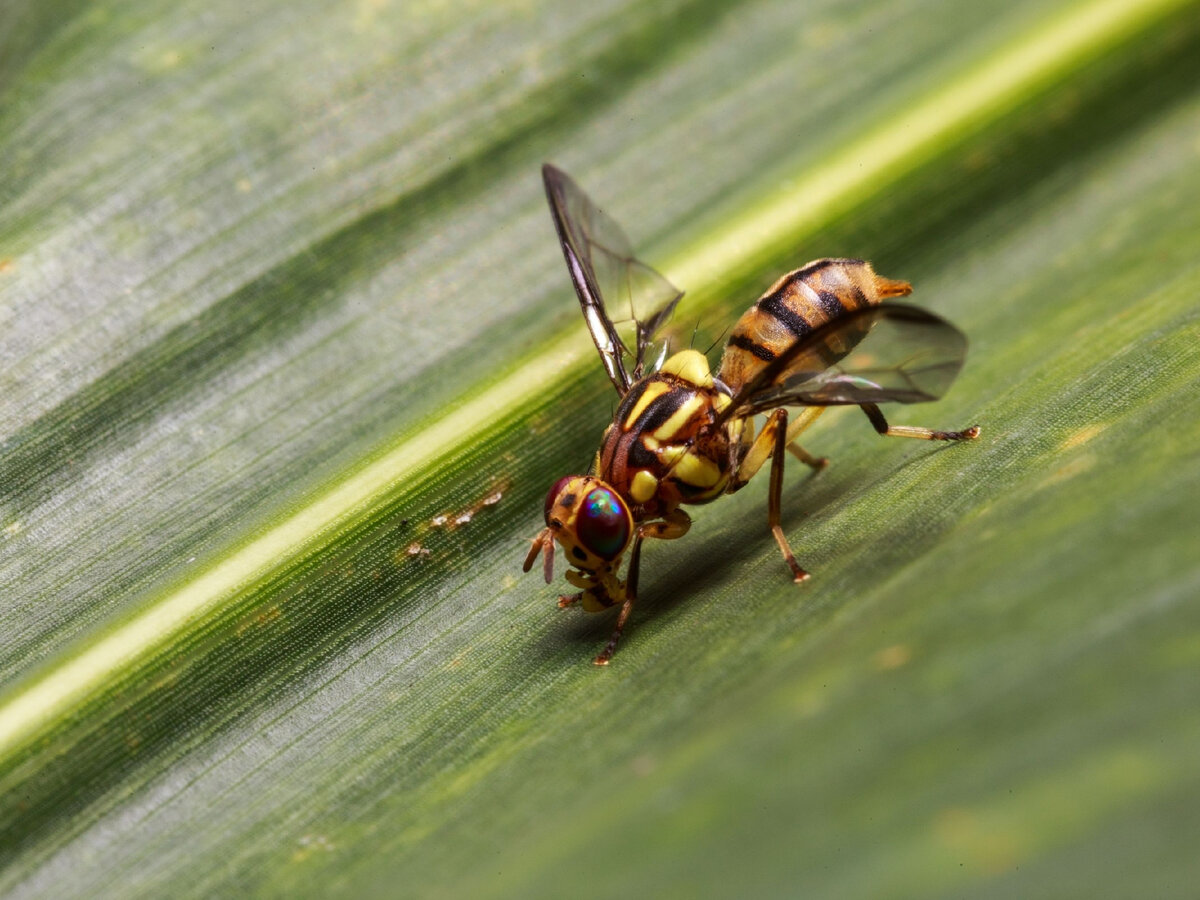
(794, 306)
(660, 451)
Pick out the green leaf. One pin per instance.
(282, 307)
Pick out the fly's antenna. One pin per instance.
(692, 342)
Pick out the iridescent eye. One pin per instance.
(553, 495)
(603, 524)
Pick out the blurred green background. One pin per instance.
(279, 291)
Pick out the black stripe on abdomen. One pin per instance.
(815, 266)
(830, 304)
(753, 348)
(773, 305)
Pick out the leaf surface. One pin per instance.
(282, 305)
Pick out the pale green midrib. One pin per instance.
(987, 91)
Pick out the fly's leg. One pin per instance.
(911, 431)
(776, 492)
(598, 591)
(674, 524)
(770, 443)
(816, 463)
(800, 422)
(759, 452)
(630, 595)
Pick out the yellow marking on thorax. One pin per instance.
(653, 391)
(686, 466)
(679, 418)
(690, 366)
(643, 487)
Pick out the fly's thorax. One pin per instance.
(796, 305)
(591, 521)
(661, 449)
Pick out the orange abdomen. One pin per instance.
(794, 306)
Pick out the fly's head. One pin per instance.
(589, 519)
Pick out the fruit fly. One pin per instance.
(683, 434)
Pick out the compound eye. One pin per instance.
(553, 495)
(603, 524)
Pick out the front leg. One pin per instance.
(912, 431)
(673, 525)
(630, 595)
(598, 591)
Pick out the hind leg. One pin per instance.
(913, 431)
(799, 423)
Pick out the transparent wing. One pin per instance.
(604, 270)
(893, 352)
